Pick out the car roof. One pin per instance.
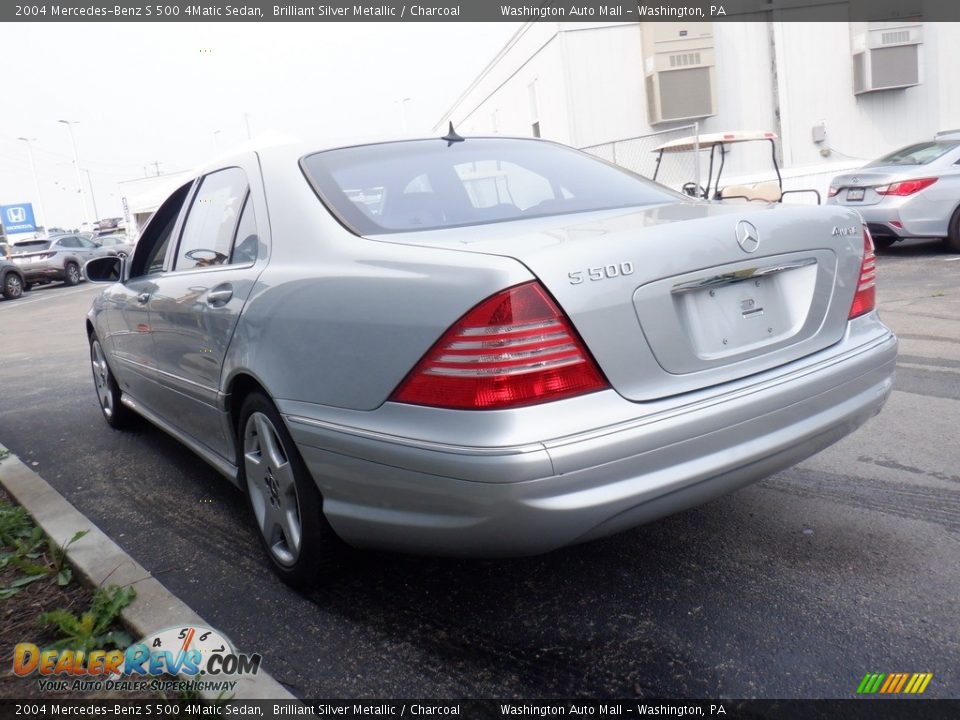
(285, 147)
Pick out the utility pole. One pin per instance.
(36, 186)
(76, 166)
(246, 119)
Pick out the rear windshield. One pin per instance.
(919, 154)
(430, 184)
(31, 245)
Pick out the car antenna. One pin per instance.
(451, 137)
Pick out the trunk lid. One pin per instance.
(666, 298)
(857, 187)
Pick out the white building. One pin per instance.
(837, 93)
(142, 196)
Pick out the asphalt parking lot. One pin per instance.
(794, 587)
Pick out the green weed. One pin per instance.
(91, 630)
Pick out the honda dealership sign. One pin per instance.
(17, 218)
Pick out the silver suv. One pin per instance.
(58, 258)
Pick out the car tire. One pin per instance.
(952, 241)
(883, 242)
(285, 502)
(71, 274)
(117, 415)
(12, 286)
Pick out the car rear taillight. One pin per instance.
(865, 299)
(832, 191)
(905, 187)
(515, 348)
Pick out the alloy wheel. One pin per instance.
(14, 288)
(101, 376)
(272, 488)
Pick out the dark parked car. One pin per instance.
(12, 282)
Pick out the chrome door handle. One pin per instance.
(220, 295)
(143, 298)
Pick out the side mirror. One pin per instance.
(108, 269)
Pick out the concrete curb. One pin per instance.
(97, 558)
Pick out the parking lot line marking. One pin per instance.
(951, 259)
(22, 302)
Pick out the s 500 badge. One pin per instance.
(602, 272)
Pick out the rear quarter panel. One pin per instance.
(339, 320)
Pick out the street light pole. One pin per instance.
(36, 186)
(93, 195)
(76, 166)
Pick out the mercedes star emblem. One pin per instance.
(747, 236)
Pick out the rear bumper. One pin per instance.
(913, 217)
(439, 498)
(39, 273)
(886, 230)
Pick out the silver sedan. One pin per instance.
(483, 347)
(912, 192)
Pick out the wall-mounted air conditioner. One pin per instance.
(678, 64)
(886, 55)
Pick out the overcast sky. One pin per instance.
(144, 93)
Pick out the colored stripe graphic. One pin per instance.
(894, 683)
(891, 681)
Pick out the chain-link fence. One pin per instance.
(636, 154)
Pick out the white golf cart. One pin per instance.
(717, 145)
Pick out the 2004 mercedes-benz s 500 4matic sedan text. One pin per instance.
(486, 346)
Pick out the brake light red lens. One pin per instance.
(515, 348)
(905, 187)
(865, 299)
(832, 191)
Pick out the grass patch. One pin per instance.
(40, 602)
